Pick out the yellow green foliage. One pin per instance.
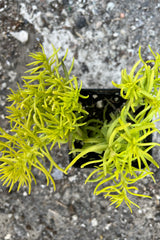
(123, 140)
(47, 110)
(43, 112)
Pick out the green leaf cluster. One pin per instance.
(44, 111)
(124, 140)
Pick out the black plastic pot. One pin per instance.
(96, 102)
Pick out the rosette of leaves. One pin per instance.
(44, 111)
(123, 140)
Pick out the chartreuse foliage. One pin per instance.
(46, 110)
(43, 112)
(123, 140)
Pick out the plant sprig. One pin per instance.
(124, 140)
(45, 111)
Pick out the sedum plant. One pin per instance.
(47, 110)
(43, 112)
(122, 142)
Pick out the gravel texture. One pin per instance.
(103, 37)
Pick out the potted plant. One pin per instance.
(51, 108)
